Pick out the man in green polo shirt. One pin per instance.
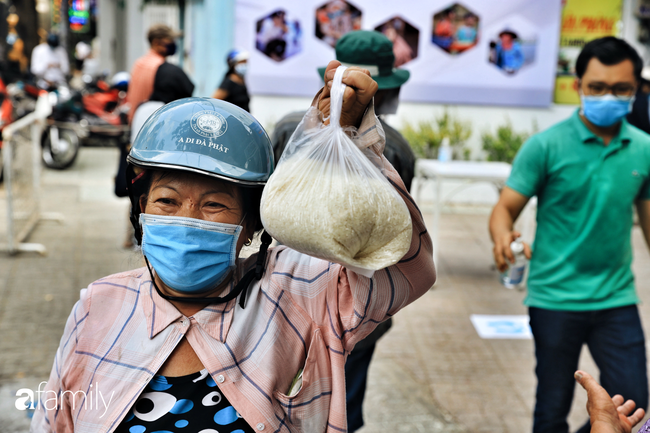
(587, 173)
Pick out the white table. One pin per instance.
(495, 173)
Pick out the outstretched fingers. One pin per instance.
(636, 417)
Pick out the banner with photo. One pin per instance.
(474, 52)
(582, 21)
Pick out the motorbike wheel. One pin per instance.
(62, 154)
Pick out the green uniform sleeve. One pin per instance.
(529, 168)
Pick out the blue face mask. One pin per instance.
(171, 48)
(605, 110)
(190, 256)
(241, 69)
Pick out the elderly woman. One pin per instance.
(198, 340)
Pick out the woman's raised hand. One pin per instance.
(358, 93)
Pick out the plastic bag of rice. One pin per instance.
(328, 200)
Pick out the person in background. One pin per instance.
(233, 87)
(445, 29)
(373, 50)
(82, 51)
(143, 74)
(466, 34)
(50, 63)
(15, 60)
(270, 38)
(587, 172)
(402, 50)
(170, 83)
(161, 39)
(509, 55)
(640, 115)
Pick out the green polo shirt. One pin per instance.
(582, 254)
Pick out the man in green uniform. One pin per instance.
(587, 173)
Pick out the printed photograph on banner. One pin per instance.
(404, 37)
(278, 35)
(336, 18)
(455, 29)
(510, 52)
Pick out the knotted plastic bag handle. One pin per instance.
(336, 95)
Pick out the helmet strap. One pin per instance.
(258, 271)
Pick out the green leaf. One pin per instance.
(425, 137)
(504, 145)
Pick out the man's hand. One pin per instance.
(503, 253)
(358, 93)
(608, 415)
(502, 220)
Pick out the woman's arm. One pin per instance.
(363, 302)
(349, 305)
(220, 94)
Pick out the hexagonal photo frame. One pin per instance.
(455, 29)
(404, 37)
(510, 51)
(278, 35)
(336, 18)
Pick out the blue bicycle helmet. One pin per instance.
(235, 56)
(201, 135)
(207, 136)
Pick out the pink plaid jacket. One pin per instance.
(305, 313)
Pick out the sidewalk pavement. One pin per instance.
(430, 373)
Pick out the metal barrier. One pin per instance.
(22, 178)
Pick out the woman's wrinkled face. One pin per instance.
(191, 195)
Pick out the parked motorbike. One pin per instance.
(95, 115)
(6, 117)
(23, 95)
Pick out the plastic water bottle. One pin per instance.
(444, 151)
(513, 277)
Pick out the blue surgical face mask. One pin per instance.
(190, 256)
(241, 69)
(605, 110)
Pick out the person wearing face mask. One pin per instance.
(233, 87)
(587, 172)
(161, 39)
(50, 63)
(198, 339)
